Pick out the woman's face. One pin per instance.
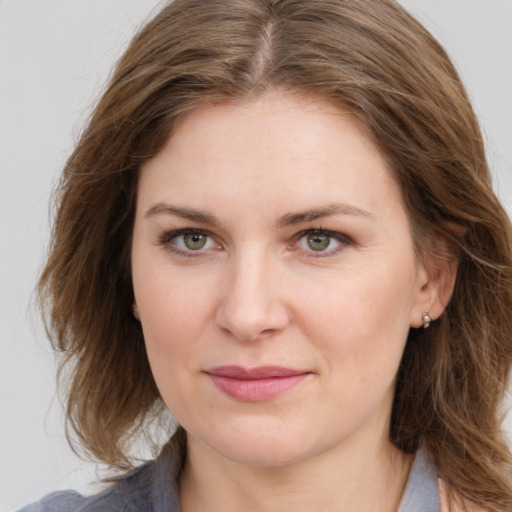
(275, 279)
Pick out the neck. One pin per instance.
(349, 478)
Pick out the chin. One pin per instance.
(262, 446)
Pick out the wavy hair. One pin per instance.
(378, 62)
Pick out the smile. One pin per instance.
(256, 384)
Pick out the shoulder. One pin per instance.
(150, 488)
(132, 493)
(56, 502)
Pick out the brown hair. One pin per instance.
(377, 61)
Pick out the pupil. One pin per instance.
(318, 242)
(194, 241)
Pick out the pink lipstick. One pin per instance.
(255, 384)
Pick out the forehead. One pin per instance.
(276, 149)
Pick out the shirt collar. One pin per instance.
(422, 489)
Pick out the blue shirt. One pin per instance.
(150, 489)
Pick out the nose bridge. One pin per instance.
(251, 305)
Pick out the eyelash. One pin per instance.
(167, 242)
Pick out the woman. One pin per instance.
(279, 226)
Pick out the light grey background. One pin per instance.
(55, 55)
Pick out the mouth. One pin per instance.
(255, 384)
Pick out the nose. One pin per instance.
(252, 305)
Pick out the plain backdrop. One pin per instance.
(55, 56)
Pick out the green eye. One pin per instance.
(189, 242)
(321, 242)
(195, 241)
(318, 241)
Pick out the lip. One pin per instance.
(255, 384)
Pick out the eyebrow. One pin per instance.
(289, 219)
(185, 213)
(292, 219)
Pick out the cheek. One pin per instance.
(171, 316)
(171, 326)
(169, 306)
(361, 320)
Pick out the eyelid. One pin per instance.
(169, 235)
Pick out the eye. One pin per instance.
(321, 242)
(188, 240)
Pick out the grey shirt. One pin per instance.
(148, 489)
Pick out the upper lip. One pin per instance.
(260, 372)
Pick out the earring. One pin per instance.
(427, 320)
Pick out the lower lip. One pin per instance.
(254, 390)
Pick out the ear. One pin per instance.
(135, 310)
(437, 275)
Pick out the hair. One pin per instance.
(369, 58)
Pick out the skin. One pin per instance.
(259, 292)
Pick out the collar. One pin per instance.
(422, 489)
(421, 492)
